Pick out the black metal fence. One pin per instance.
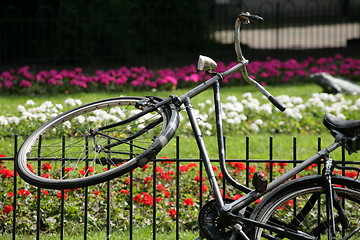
(174, 195)
(37, 33)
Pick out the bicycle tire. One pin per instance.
(72, 151)
(287, 209)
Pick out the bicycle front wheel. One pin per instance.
(304, 209)
(95, 142)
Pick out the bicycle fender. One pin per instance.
(311, 180)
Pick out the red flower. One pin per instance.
(160, 187)
(60, 195)
(197, 178)
(166, 176)
(96, 192)
(280, 170)
(46, 166)
(351, 174)
(188, 202)
(6, 173)
(127, 181)
(184, 168)
(281, 164)
(2, 155)
(159, 170)
(10, 194)
(46, 175)
(147, 180)
(68, 169)
(144, 198)
(204, 188)
(86, 170)
(172, 213)
(239, 165)
(7, 209)
(30, 167)
(124, 191)
(45, 192)
(146, 166)
(268, 164)
(24, 192)
(252, 169)
(167, 194)
(166, 162)
(192, 165)
(237, 196)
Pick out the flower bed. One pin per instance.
(163, 175)
(271, 71)
(240, 116)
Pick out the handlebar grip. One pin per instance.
(246, 16)
(255, 18)
(276, 103)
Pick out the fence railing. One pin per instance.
(165, 195)
(290, 26)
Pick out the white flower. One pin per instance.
(91, 119)
(67, 124)
(70, 102)
(54, 110)
(294, 113)
(78, 102)
(140, 126)
(41, 116)
(29, 103)
(59, 106)
(232, 99)
(3, 121)
(247, 95)
(267, 108)
(80, 119)
(21, 108)
(208, 101)
(14, 120)
(201, 105)
(259, 122)
(254, 127)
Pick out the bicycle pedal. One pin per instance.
(259, 181)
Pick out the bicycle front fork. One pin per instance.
(332, 200)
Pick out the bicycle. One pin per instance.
(114, 136)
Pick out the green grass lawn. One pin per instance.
(138, 234)
(259, 144)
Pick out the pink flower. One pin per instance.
(52, 81)
(8, 84)
(25, 83)
(193, 78)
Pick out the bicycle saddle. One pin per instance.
(346, 128)
(330, 121)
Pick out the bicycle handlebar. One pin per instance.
(246, 18)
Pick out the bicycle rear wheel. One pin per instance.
(96, 142)
(304, 209)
